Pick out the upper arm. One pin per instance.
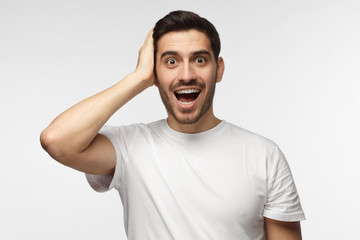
(98, 158)
(279, 230)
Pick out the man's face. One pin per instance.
(187, 72)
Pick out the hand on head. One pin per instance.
(145, 64)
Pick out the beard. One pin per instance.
(185, 116)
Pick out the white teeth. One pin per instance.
(186, 103)
(187, 91)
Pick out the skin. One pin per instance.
(278, 230)
(184, 61)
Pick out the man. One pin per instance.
(191, 176)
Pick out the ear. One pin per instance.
(220, 69)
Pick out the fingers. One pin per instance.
(149, 36)
(148, 45)
(145, 65)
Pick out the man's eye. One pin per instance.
(171, 61)
(200, 60)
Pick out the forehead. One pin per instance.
(184, 42)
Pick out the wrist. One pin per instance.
(144, 80)
(136, 81)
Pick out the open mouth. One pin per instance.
(187, 96)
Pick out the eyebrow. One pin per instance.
(164, 54)
(174, 53)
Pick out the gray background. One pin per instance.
(292, 75)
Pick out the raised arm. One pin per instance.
(72, 138)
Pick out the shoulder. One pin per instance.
(256, 148)
(248, 138)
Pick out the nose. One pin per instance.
(186, 73)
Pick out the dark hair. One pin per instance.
(183, 21)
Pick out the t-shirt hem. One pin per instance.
(293, 217)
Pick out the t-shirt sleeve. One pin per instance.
(283, 202)
(103, 183)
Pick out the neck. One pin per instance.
(206, 122)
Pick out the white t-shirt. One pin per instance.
(217, 184)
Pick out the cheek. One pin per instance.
(165, 76)
(208, 76)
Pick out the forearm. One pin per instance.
(72, 137)
(73, 130)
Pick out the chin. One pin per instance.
(187, 121)
(187, 118)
